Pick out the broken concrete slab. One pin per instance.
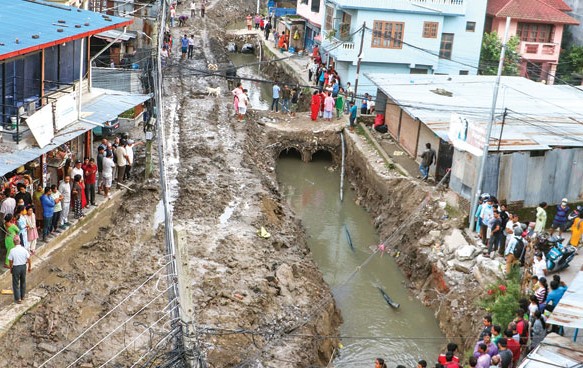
(466, 253)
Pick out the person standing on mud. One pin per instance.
(267, 29)
(249, 22)
(295, 96)
(257, 20)
(19, 257)
(427, 159)
(191, 46)
(285, 97)
(315, 105)
(184, 46)
(275, 95)
(202, 8)
(192, 8)
(172, 15)
(352, 116)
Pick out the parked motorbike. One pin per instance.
(572, 216)
(556, 254)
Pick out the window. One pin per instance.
(329, 23)
(470, 26)
(304, 2)
(464, 72)
(388, 35)
(446, 45)
(315, 6)
(430, 29)
(534, 32)
(418, 71)
(345, 25)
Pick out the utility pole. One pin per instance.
(502, 127)
(258, 1)
(359, 60)
(478, 184)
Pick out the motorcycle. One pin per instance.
(572, 216)
(556, 254)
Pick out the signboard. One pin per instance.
(41, 125)
(65, 111)
(466, 135)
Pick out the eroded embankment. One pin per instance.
(404, 211)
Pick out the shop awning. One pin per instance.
(113, 34)
(109, 104)
(104, 105)
(13, 160)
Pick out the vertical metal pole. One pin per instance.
(359, 60)
(342, 169)
(258, 1)
(502, 128)
(478, 184)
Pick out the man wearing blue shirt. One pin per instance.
(48, 203)
(275, 101)
(556, 293)
(352, 117)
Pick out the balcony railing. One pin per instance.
(453, 7)
(542, 50)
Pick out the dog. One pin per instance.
(213, 91)
(213, 67)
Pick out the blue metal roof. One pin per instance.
(29, 25)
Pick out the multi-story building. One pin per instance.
(48, 106)
(539, 24)
(311, 12)
(403, 37)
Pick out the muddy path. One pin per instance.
(248, 293)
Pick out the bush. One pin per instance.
(501, 299)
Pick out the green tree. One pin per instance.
(570, 68)
(490, 55)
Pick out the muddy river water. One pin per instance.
(371, 328)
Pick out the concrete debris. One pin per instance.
(466, 252)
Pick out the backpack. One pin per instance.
(519, 250)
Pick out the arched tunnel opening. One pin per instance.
(322, 155)
(290, 153)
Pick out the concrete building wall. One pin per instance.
(426, 135)
(305, 10)
(392, 115)
(467, 45)
(522, 178)
(409, 133)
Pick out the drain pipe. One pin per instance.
(342, 169)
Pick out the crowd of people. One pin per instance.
(37, 214)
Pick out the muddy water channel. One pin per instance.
(371, 327)
(259, 93)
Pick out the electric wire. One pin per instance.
(136, 338)
(102, 318)
(118, 327)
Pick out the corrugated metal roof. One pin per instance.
(554, 351)
(22, 20)
(540, 116)
(569, 311)
(441, 7)
(112, 34)
(104, 105)
(109, 104)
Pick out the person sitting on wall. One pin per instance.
(379, 124)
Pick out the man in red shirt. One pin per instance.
(89, 173)
(513, 346)
(451, 347)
